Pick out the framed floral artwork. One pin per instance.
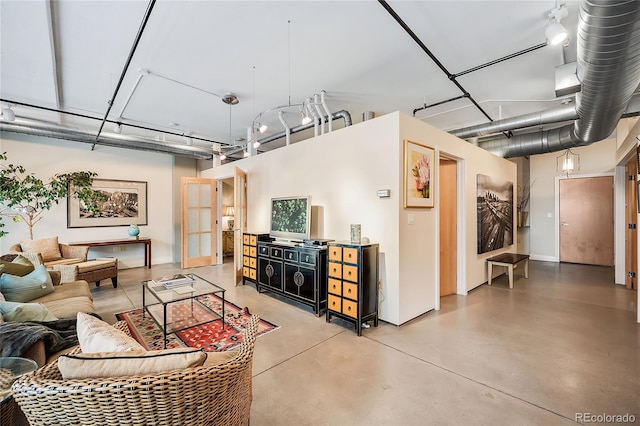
(419, 176)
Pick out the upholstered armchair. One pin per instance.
(218, 394)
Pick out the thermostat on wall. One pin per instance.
(384, 193)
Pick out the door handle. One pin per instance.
(565, 224)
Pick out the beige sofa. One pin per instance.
(65, 301)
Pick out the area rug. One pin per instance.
(211, 337)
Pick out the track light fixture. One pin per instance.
(223, 157)
(8, 114)
(556, 33)
(256, 143)
(117, 128)
(245, 153)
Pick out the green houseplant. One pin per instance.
(24, 197)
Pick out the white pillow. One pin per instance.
(132, 363)
(95, 335)
(14, 311)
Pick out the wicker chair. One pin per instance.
(209, 395)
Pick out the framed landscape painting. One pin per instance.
(419, 176)
(495, 213)
(120, 202)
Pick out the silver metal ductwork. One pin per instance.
(335, 116)
(609, 71)
(556, 115)
(50, 130)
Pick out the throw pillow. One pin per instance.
(47, 247)
(114, 364)
(20, 266)
(95, 335)
(13, 311)
(23, 289)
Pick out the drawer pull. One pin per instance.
(334, 270)
(348, 308)
(349, 291)
(349, 255)
(349, 273)
(290, 255)
(306, 259)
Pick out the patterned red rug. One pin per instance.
(210, 337)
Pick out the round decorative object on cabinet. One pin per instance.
(133, 230)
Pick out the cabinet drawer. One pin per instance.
(252, 262)
(335, 286)
(350, 290)
(245, 272)
(350, 273)
(245, 250)
(276, 252)
(335, 270)
(308, 258)
(245, 239)
(291, 255)
(335, 253)
(350, 308)
(253, 240)
(252, 274)
(333, 303)
(252, 251)
(350, 255)
(245, 260)
(263, 250)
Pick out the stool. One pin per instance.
(508, 260)
(94, 270)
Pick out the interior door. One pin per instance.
(448, 227)
(586, 220)
(631, 231)
(198, 222)
(240, 217)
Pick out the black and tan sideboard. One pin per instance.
(353, 272)
(295, 271)
(250, 255)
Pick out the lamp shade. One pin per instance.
(228, 211)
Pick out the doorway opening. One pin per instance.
(448, 226)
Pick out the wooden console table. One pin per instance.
(99, 243)
(509, 261)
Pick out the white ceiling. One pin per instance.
(69, 55)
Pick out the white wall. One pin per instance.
(343, 170)
(45, 157)
(595, 159)
(419, 250)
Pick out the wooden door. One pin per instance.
(586, 220)
(240, 217)
(198, 222)
(448, 227)
(631, 231)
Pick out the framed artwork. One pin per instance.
(419, 175)
(495, 213)
(121, 203)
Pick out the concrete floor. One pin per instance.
(563, 342)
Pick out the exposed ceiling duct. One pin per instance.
(336, 115)
(50, 130)
(609, 71)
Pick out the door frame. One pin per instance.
(461, 276)
(556, 219)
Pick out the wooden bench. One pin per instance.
(509, 261)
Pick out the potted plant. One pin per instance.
(524, 193)
(25, 197)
